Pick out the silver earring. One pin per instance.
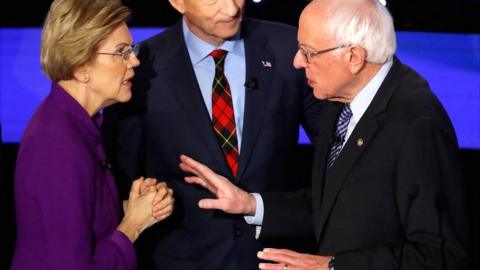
(86, 78)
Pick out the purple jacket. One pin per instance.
(66, 202)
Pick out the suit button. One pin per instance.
(237, 232)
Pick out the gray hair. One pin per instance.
(368, 26)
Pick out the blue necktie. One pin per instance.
(340, 132)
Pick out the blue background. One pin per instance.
(450, 62)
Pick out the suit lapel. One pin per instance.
(257, 59)
(339, 171)
(365, 130)
(327, 125)
(183, 83)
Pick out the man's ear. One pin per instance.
(356, 58)
(179, 5)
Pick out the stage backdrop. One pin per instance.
(450, 62)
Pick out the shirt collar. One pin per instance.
(199, 49)
(363, 99)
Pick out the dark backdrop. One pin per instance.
(457, 16)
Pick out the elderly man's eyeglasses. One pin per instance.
(307, 54)
(126, 52)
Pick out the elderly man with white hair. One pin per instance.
(387, 188)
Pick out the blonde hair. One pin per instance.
(72, 32)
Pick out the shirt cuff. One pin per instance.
(256, 219)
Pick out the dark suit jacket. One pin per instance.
(394, 202)
(167, 117)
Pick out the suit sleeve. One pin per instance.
(287, 215)
(64, 199)
(431, 204)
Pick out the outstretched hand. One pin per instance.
(230, 198)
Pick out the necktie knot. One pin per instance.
(219, 57)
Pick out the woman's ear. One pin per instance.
(82, 75)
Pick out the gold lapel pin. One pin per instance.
(359, 142)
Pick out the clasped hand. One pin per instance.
(149, 202)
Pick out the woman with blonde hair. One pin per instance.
(67, 207)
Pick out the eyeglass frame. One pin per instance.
(307, 54)
(127, 51)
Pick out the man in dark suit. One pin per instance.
(387, 190)
(172, 111)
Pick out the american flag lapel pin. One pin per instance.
(267, 64)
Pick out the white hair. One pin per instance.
(368, 26)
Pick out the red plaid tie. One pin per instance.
(223, 117)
